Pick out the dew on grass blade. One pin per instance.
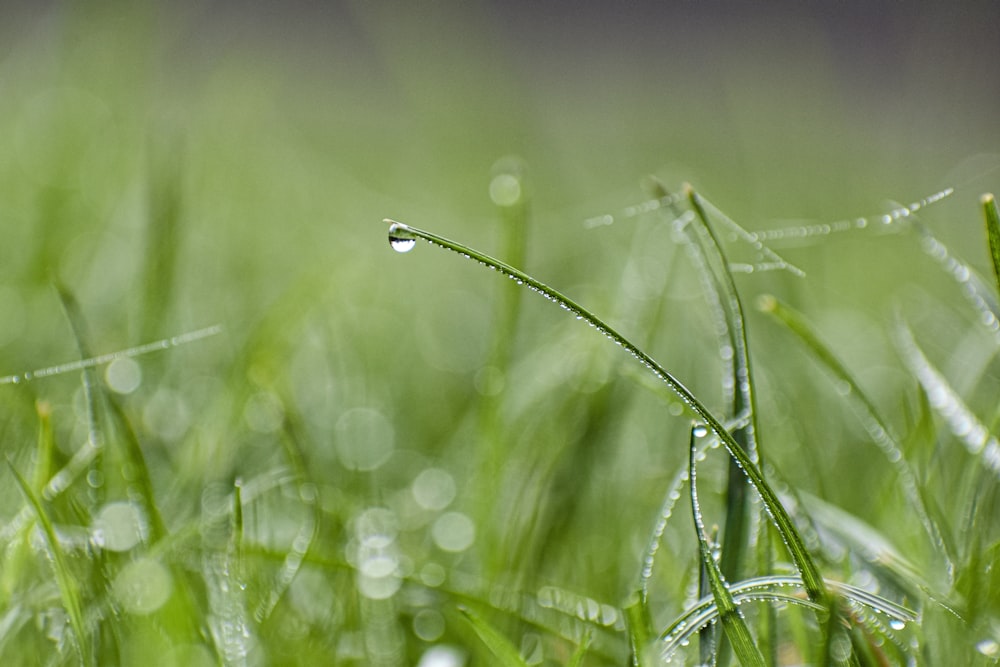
(400, 237)
(442, 655)
(989, 647)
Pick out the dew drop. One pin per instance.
(700, 431)
(401, 239)
(988, 647)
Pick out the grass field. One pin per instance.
(240, 429)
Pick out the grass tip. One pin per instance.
(766, 303)
(987, 198)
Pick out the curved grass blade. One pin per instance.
(879, 430)
(500, 646)
(404, 237)
(993, 232)
(68, 588)
(775, 590)
(733, 623)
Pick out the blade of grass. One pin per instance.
(733, 623)
(877, 427)
(992, 216)
(775, 589)
(124, 450)
(404, 236)
(737, 530)
(576, 660)
(502, 648)
(964, 424)
(68, 589)
(639, 627)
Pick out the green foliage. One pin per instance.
(257, 436)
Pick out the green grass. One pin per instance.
(241, 430)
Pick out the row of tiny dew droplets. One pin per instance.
(402, 238)
(795, 232)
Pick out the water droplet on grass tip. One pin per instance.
(401, 239)
(700, 431)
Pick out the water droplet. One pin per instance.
(505, 190)
(700, 431)
(118, 526)
(989, 647)
(454, 531)
(365, 439)
(429, 625)
(401, 239)
(123, 375)
(143, 586)
(433, 489)
(897, 624)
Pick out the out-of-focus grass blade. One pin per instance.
(961, 420)
(120, 444)
(993, 232)
(499, 645)
(639, 627)
(873, 422)
(733, 623)
(68, 589)
(576, 659)
(404, 237)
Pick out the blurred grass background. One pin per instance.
(199, 163)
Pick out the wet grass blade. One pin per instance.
(402, 237)
(68, 589)
(871, 418)
(499, 645)
(739, 510)
(993, 232)
(733, 623)
(961, 420)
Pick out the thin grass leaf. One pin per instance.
(639, 628)
(733, 623)
(42, 471)
(737, 531)
(502, 648)
(403, 237)
(981, 297)
(68, 589)
(963, 423)
(122, 450)
(580, 653)
(879, 430)
(992, 216)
